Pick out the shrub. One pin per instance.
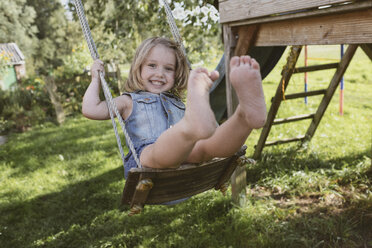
(24, 105)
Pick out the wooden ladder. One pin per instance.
(316, 117)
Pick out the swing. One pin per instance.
(159, 186)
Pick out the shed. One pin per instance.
(11, 56)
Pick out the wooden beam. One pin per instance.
(283, 141)
(238, 183)
(303, 94)
(315, 68)
(238, 178)
(293, 118)
(367, 48)
(309, 13)
(343, 28)
(345, 61)
(234, 10)
(230, 44)
(246, 39)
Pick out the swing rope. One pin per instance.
(110, 102)
(174, 29)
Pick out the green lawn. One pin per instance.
(61, 186)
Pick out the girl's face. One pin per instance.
(158, 69)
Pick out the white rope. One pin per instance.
(175, 32)
(110, 102)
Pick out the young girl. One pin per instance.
(164, 132)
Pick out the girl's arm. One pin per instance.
(93, 107)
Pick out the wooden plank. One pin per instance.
(286, 75)
(313, 68)
(303, 94)
(355, 6)
(238, 179)
(238, 183)
(230, 44)
(283, 141)
(345, 61)
(194, 185)
(343, 28)
(367, 48)
(235, 10)
(172, 184)
(293, 118)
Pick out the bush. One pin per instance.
(24, 105)
(28, 103)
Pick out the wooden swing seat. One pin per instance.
(156, 186)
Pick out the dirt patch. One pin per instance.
(306, 203)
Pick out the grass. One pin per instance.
(61, 186)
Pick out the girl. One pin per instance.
(164, 132)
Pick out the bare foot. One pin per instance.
(245, 77)
(199, 115)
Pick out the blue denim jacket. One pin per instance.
(151, 115)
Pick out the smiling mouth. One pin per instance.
(157, 83)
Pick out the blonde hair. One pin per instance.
(135, 82)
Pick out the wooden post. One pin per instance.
(230, 43)
(236, 44)
(238, 178)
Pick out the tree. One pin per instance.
(17, 25)
(118, 27)
(55, 40)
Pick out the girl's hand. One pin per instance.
(97, 66)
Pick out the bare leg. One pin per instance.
(250, 113)
(175, 144)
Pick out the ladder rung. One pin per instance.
(298, 138)
(303, 94)
(315, 68)
(293, 118)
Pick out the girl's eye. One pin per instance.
(169, 69)
(152, 65)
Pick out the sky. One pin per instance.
(64, 2)
(68, 13)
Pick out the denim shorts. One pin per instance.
(129, 161)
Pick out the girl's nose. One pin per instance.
(160, 72)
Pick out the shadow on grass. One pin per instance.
(45, 145)
(280, 162)
(87, 214)
(49, 214)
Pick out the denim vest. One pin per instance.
(151, 115)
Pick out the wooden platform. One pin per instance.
(285, 22)
(249, 23)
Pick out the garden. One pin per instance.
(61, 181)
